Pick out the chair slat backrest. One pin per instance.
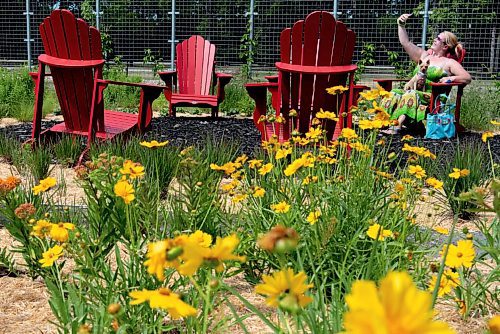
(66, 37)
(319, 40)
(195, 66)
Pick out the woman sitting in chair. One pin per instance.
(438, 64)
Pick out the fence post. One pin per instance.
(98, 14)
(426, 22)
(172, 40)
(251, 16)
(335, 8)
(28, 39)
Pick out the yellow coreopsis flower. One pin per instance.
(377, 231)
(486, 135)
(165, 299)
(285, 289)
(254, 163)
(441, 230)
(239, 198)
(449, 280)
(377, 109)
(336, 90)
(434, 183)
(42, 228)
(314, 133)
(157, 258)
(294, 166)
(460, 255)
(51, 255)
(313, 217)
(44, 185)
(322, 114)
(494, 323)
(281, 207)
(458, 173)
(259, 192)
(265, 169)
(407, 138)
(124, 190)
(494, 122)
(228, 168)
(370, 95)
(133, 169)
(223, 251)
(153, 143)
(348, 134)
(283, 153)
(396, 307)
(417, 171)
(59, 232)
(201, 238)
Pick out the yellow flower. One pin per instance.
(421, 151)
(486, 135)
(495, 122)
(348, 134)
(285, 289)
(223, 251)
(42, 228)
(435, 183)
(239, 198)
(265, 169)
(313, 217)
(153, 144)
(396, 307)
(124, 190)
(458, 173)
(494, 323)
(254, 163)
(417, 171)
(44, 185)
(228, 168)
(376, 231)
(441, 230)
(134, 169)
(336, 90)
(321, 114)
(59, 232)
(283, 153)
(449, 280)
(157, 258)
(51, 255)
(460, 255)
(314, 133)
(201, 238)
(281, 207)
(165, 299)
(258, 192)
(294, 166)
(309, 179)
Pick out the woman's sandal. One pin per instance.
(392, 130)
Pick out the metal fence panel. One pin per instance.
(134, 26)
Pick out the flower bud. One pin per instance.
(114, 308)
(214, 283)
(174, 253)
(285, 245)
(290, 304)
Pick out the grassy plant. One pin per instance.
(8, 147)
(480, 105)
(17, 95)
(121, 97)
(68, 150)
(237, 101)
(33, 162)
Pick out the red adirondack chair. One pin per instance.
(316, 53)
(74, 56)
(437, 89)
(192, 84)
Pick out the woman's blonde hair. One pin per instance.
(454, 47)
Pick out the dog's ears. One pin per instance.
(428, 62)
(420, 61)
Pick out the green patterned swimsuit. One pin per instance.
(413, 103)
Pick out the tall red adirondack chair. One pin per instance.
(74, 55)
(437, 89)
(192, 83)
(316, 53)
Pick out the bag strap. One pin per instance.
(442, 105)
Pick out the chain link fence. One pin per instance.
(248, 30)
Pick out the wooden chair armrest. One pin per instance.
(170, 79)
(69, 63)
(386, 83)
(319, 70)
(222, 80)
(447, 84)
(132, 84)
(271, 78)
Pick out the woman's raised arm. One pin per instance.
(411, 49)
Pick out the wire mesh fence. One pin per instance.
(132, 27)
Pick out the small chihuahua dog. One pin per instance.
(418, 80)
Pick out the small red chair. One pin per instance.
(74, 55)
(316, 53)
(437, 89)
(194, 83)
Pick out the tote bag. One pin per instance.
(441, 121)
